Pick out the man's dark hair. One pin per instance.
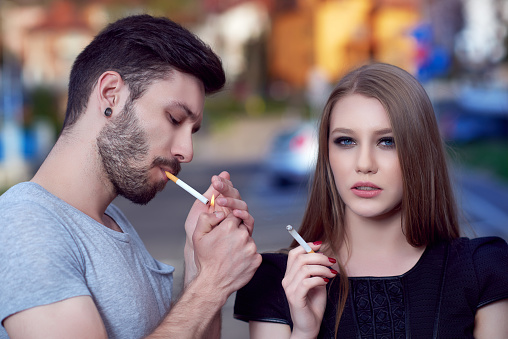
(141, 49)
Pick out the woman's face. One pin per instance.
(363, 157)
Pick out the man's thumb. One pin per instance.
(206, 223)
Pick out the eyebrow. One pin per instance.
(188, 111)
(350, 131)
(384, 131)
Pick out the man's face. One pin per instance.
(151, 136)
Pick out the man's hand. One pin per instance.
(225, 259)
(227, 200)
(225, 255)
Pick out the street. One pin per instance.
(483, 201)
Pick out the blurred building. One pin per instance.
(335, 36)
(39, 45)
(305, 36)
(47, 40)
(483, 40)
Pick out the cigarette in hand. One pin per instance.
(299, 239)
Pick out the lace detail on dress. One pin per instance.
(379, 308)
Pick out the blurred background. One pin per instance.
(281, 57)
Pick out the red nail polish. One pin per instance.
(326, 279)
(333, 261)
(317, 243)
(333, 271)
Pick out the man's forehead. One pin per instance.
(179, 91)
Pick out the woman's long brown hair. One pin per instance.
(429, 213)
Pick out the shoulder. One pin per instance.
(19, 196)
(30, 215)
(483, 253)
(263, 298)
(33, 227)
(480, 249)
(490, 244)
(486, 260)
(42, 262)
(24, 192)
(270, 272)
(275, 260)
(28, 201)
(33, 230)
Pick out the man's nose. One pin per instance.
(182, 148)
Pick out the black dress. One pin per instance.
(437, 298)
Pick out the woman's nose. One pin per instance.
(366, 162)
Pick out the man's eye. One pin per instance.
(174, 121)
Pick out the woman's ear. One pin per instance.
(110, 87)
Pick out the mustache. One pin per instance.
(172, 163)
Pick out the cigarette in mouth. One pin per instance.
(299, 239)
(186, 187)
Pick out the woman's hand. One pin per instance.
(305, 285)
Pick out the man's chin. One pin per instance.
(141, 201)
(143, 198)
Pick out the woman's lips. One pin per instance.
(366, 190)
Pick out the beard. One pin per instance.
(123, 147)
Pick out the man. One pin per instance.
(72, 265)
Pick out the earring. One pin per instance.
(108, 111)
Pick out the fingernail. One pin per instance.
(317, 243)
(333, 261)
(216, 180)
(219, 214)
(221, 201)
(220, 183)
(333, 271)
(326, 279)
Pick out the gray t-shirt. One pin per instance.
(50, 251)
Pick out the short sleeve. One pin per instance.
(40, 262)
(490, 257)
(263, 298)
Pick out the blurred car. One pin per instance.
(293, 153)
(461, 123)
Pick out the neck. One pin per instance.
(375, 234)
(377, 246)
(72, 172)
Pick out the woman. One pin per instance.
(381, 210)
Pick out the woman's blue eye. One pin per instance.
(344, 141)
(387, 142)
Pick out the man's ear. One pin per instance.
(110, 88)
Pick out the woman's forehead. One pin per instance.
(356, 111)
